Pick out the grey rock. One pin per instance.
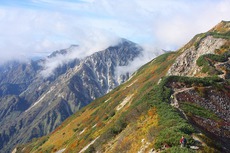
(32, 106)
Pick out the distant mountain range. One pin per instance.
(32, 105)
(181, 93)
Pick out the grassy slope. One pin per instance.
(147, 116)
(124, 129)
(146, 120)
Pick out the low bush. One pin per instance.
(90, 149)
(171, 125)
(198, 110)
(178, 150)
(207, 62)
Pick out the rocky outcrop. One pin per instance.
(185, 64)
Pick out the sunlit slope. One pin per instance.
(168, 97)
(118, 120)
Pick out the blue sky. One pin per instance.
(37, 27)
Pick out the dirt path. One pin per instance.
(174, 101)
(198, 139)
(217, 67)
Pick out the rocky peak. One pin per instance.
(37, 108)
(63, 51)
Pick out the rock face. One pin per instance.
(212, 100)
(185, 64)
(32, 106)
(197, 100)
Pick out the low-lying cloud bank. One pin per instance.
(39, 27)
(147, 55)
(79, 52)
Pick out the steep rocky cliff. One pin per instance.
(32, 105)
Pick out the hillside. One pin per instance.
(33, 105)
(186, 92)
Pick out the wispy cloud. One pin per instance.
(96, 41)
(33, 26)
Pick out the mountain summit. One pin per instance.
(32, 106)
(183, 93)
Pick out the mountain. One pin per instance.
(33, 101)
(181, 93)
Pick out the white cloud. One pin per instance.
(91, 42)
(179, 25)
(149, 52)
(43, 26)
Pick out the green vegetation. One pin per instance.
(118, 126)
(193, 109)
(159, 60)
(207, 61)
(91, 149)
(201, 36)
(162, 58)
(49, 149)
(171, 125)
(147, 115)
(178, 150)
(225, 35)
(40, 142)
(206, 81)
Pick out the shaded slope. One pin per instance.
(32, 106)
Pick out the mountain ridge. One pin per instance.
(153, 109)
(48, 101)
